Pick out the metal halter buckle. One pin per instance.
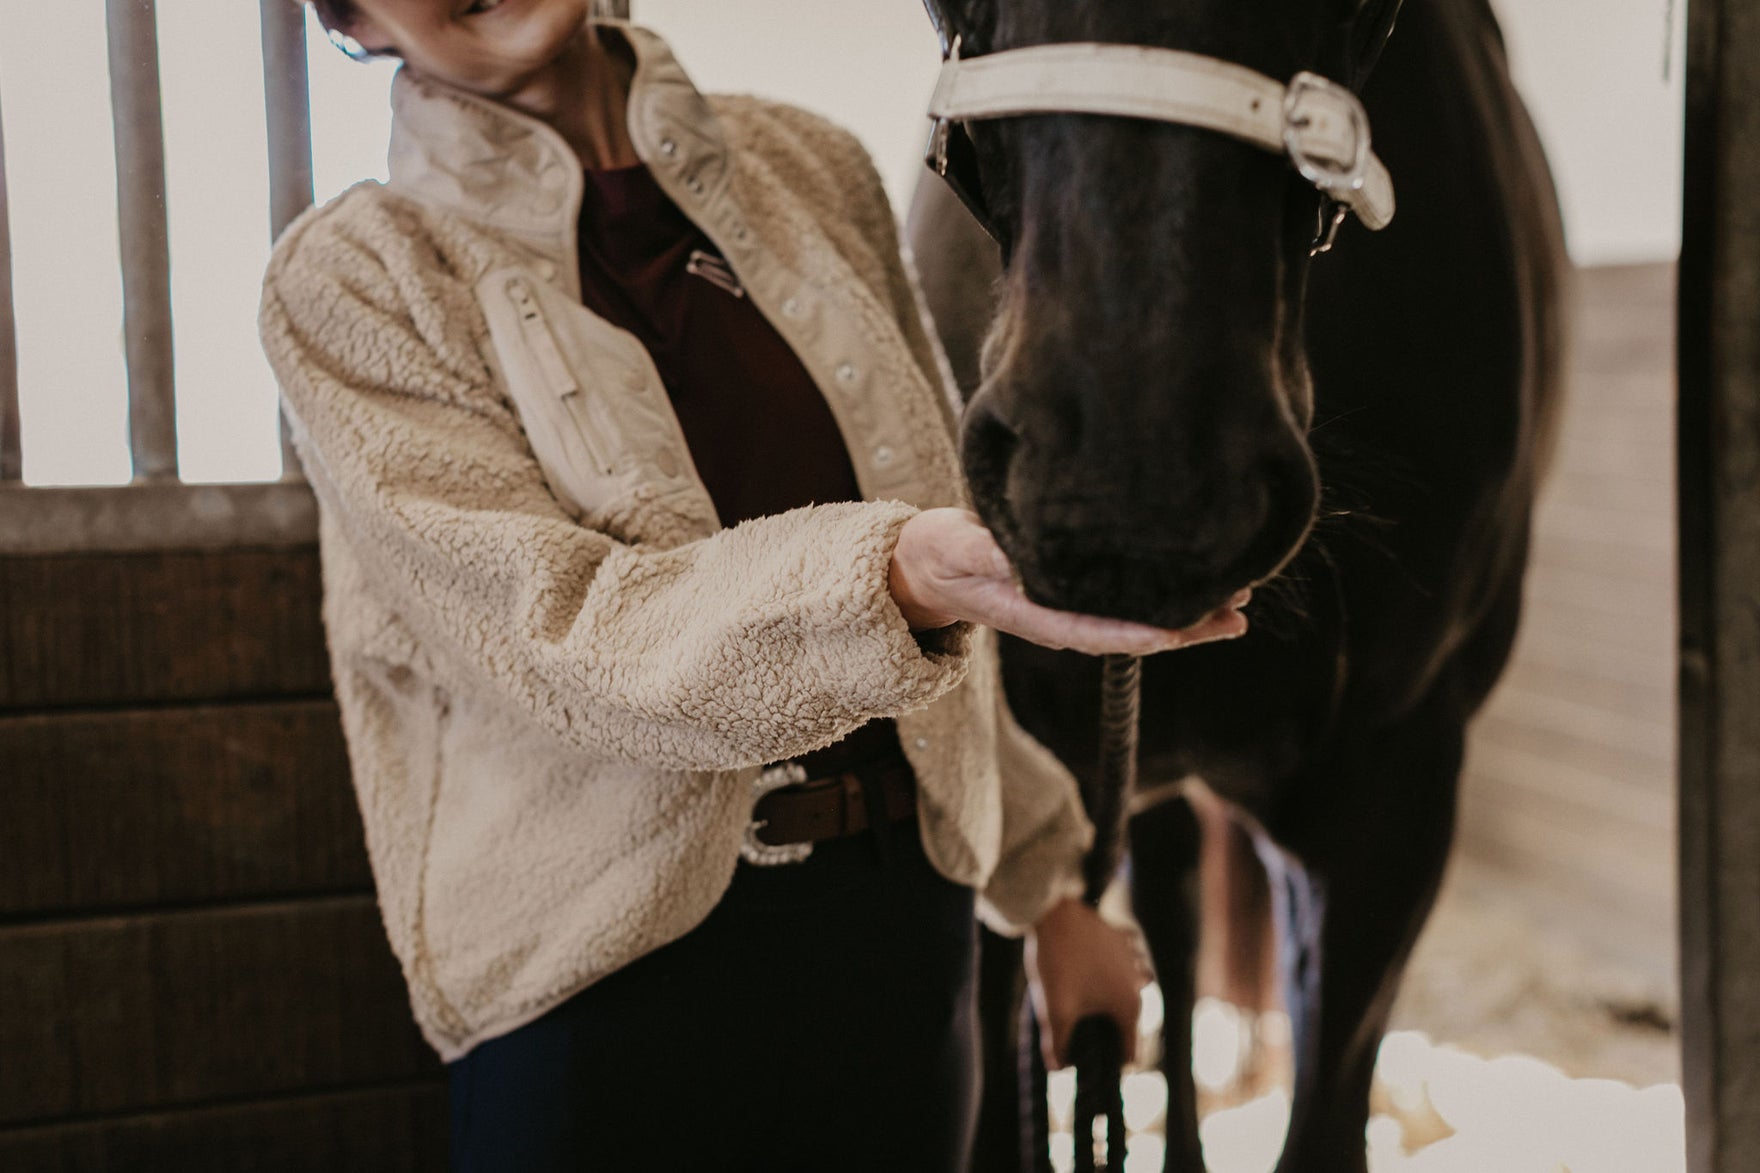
(936, 154)
(1333, 176)
(754, 850)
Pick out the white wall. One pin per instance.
(1592, 68)
(1593, 74)
(1592, 71)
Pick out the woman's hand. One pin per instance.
(1077, 966)
(948, 568)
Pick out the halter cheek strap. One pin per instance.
(1319, 125)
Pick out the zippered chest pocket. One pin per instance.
(594, 432)
(591, 403)
(571, 430)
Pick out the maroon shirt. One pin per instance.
(758, 427)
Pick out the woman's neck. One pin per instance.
(584, 95)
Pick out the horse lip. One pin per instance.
(1171, 608)
(1062, 589)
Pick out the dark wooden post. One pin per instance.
(1719, 454)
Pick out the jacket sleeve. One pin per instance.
(1045, 831)
(753, 645)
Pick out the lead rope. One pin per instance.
(1095, 1045)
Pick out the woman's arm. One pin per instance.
(758, 643)
(1079, 965)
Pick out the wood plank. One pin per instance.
(114, 810)
(1633, 601)
(1607, 866)
(144, 517)
(89, 630)
(146, 1013)
(1625, 752)
(1645, 492)
(1594, 797)
(1628, 918)
(1612, 880)
(382, 1130)
(1647, 699)
(1605, 446)
(1565, 640)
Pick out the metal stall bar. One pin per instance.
(11, 441)
(1719, 468)
(146, 252)
(287, 102)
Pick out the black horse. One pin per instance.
(1175, 400)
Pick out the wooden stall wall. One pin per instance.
(193, 975)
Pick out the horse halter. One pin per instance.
(1319, 125)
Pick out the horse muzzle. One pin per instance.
(1126, 532)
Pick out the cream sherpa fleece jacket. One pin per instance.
(557, 672)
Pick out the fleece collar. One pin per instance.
(454, 149)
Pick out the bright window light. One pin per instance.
(67, 282)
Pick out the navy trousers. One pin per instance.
(820, 1021)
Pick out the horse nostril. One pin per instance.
(987, 445)
(1286, 494)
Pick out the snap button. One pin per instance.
(921, 743)
(668, 147)
(846, 373)
(791, 308)
(547, 270)
(695, 185)
(883, 456)
(740, 233)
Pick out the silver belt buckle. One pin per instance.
(754, 850)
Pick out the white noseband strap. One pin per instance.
(1318, 124)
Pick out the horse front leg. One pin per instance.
(1165, 841)
(1354, 880)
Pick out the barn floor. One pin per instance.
(1556, 931)
(1494, 978)
(1517, 1047)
